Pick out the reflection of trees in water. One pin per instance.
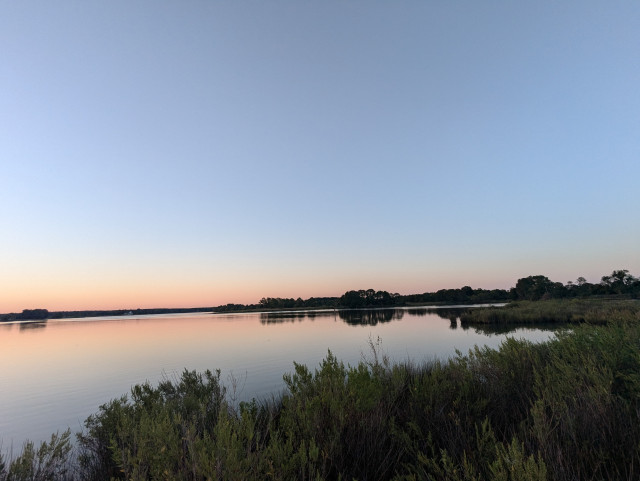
(450, 313)
(489, 329)
(419, 311)
(371, 317)
(354, 317)
(32, 325)
(277, 317)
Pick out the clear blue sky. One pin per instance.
(158, 153)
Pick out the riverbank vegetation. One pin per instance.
(555, 311)
(565, 409)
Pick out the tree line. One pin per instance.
(42, 314)
(620, 283)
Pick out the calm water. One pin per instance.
(55, 374)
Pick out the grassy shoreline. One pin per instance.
(556, 311)
(565, 409)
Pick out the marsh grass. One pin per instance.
(556, 311)
(565, 409)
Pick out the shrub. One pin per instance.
(49, 462)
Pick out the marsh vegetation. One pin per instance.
(555, 311)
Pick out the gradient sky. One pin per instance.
(164, 154)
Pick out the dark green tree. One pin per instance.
(619, 282)
(34, 314)
(533, 288)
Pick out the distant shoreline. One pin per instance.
(619, 285)
(14, 317)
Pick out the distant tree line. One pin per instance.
(235, 307)
(463, 295)
(41, 314)
(290, 303)
(26, 315)
(620, 284)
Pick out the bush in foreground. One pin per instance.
(50, 461)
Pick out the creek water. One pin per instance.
(54, 374)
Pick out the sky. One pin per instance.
(197, 153)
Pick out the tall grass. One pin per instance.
(566, 409)
(560, 311)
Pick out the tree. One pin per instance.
(619, 282)
(352, 299)
(368, 298)
(533, 288)
(34, 314)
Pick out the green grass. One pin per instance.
(561, 311)
(565, 409)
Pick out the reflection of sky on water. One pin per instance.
(55, 374)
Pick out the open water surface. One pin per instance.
(54, 374)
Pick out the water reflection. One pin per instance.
(371, 317)
(23, 325)
(293, 316)
(27, 325)
(500, 329)
(353, 317)
(450, 313)
(365, 317)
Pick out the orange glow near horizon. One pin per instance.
(76, 289)
(139, 293)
